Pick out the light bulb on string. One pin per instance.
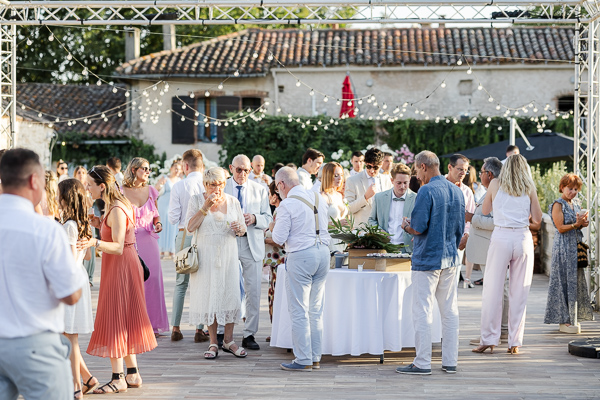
(312, 92)
(154, 88)
(360, 102)
(396, 110)
(182, 118)
(22, 106)
(220, 86)
(207, 94)
(51, 37)
(325, 99)
(443, 85)
(491, 99)
(479, 87)
(270, 57)
(192, 95)
(338, 102)
(99, 83)
(469, 71)
(84, 72)
(459, 62)
(236, 73)
(384, 106)
(349, 103)
(498, 107)
(29, 42)
(69, 57)
(255, 55)
(298, 83)
(114, 90)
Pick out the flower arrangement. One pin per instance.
(363, 237)
(404, 155)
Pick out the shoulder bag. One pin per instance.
(187, 259)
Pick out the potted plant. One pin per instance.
(361, 241)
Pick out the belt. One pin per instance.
(512, 229)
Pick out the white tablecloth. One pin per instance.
(364, 312)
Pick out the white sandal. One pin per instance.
(211, 355)
(239, 353)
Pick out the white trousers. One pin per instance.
(306, 272)
(512, 249)
(251, 271)
(504, 299)
(429, 286)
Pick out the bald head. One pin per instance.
(258, 164)
(285, 179)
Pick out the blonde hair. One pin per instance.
(102, 174)
(214, 174)
(514, 177)
(328, 177)
(129, 176)
(52, 193)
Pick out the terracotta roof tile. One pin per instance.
(75, 101)
(375, 47)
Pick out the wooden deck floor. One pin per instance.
(543, 370)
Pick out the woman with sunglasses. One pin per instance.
(62, 170)
(143, 198)
(122, 328)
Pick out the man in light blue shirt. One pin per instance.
(437, 223)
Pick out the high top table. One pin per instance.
(365, 312)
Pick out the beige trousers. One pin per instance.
(512, 249)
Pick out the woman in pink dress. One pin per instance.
(147, 225)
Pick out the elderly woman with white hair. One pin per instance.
(216, 219)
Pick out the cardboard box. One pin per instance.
(359, 256)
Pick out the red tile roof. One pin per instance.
(224, 55)
(74, 101)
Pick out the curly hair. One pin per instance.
(51, 193)
(73, 197)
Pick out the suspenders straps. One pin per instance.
(315, 209)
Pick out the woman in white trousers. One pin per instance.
(513, 198)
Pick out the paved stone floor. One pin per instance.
(543, 370)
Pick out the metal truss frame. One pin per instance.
(583, 14)
(223, 12)
(587, 135)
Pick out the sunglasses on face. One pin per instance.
(244, 170)
(369, 166)
(145, 169)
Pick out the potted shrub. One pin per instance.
(361, 241)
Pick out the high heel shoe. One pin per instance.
(513, 350)
(467, 284)
(483, 348)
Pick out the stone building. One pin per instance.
(418, 66)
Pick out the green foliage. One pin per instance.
(281, 141)
(546, 183)
(75, 151)
(363, 237)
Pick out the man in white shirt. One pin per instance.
(311, 162)
(391, 206)
(301, 224)
(458, 168)
(358, 162)
(38, 274)
(388, 164)
(181, 193)
(254, 201)
(114, 164)
(361, 188)
(258, 172)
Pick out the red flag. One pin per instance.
(347, 100)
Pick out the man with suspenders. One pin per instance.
(301, 224)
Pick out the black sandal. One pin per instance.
(111, 385)
(75, 395)
(132, 371)
(88, 387)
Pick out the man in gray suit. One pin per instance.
(361, 187)
(481, 231)
(391, 206)
(254, 200)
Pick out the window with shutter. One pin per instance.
(183, 132)
(225, 105)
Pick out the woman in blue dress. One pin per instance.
(166, 238)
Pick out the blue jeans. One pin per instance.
(306, 271)
(181, 282)
(36, 366)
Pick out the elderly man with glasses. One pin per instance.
(254, 200)
(362, 187)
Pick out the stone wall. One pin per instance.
(33, 136)
(512, 85)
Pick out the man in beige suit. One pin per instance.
(481, 231)
(362, 187)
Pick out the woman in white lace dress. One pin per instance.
(332, 184)
(216, 218)
(72, 199)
